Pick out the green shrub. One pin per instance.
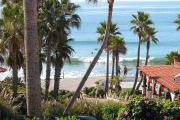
(89, 108)
(110, 110)
(21, 88)
(100, 93)
(6, 113)
(7, 84)
(170, 109)
(63, 95)
(90, 91)
(53, 118)
(100, 110)
(19, 104)
(52, 108)
(97, 82)
(145, 108)
(68, 118)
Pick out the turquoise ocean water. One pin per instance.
(162, 13)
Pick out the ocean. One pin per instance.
(85, 45)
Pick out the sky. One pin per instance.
(126, 0)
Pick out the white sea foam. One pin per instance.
(104, 59)
(79, 72)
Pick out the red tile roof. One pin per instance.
(165, 75)
(2, 69)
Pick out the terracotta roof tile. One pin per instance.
(166, 75)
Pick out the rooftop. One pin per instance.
(166, 75)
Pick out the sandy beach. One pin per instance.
(71, 84)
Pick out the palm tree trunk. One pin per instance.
(146, 62)
(107, 74)
(33, 85)
(93, 63)
(117, 63)
(137, 70)
(24, 65)
(57, 75)
(147, 52)
(48, 71)
(113, 62)
(117, 69)
(15, 78)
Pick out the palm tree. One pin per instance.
(33, 86)
(93, 63)
(48, 13)
(101, 31)
(67, 19)
(170, 57)
(150, 37)
(140, 23)
(150, 31)
(11, 43)
(62, 53)
(177, 21)
(56, 18)
(117, 46)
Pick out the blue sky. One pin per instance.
(126, 0)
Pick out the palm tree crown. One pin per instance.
(177, 21)
(140, 23)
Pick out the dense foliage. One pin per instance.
(170, 57)
(145, 108)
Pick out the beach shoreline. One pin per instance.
(71, 84)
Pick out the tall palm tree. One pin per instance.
(62, 53)
(101, 31)
(48, 13)
(117, 46)
(67, 19)
(139, 22)
(93, 63)
(33, 86)
(11, 33)
(56, 18)
(150, 37)
(150, 31)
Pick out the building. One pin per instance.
(161, 80)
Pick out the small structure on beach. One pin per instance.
(161, 80)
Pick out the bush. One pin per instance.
(100, 110)
(55, 118)
(90, 91)
(63, 95)
(144, 108)
(110, 110)
(7, 84)
(68, 118)
(6, 112)
(97, 82)
(89, 108)
(52, 109)
(100, 93)
(19, 104)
